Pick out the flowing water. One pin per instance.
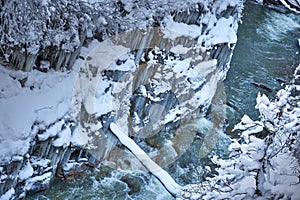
(267, 53)
(264, 58)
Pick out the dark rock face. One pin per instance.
(133, 182)
(55, 31)
(55, 36)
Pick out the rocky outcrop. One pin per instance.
(54, 32)
(52, 37)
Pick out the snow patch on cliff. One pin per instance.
(27, 98)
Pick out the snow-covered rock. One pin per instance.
(46, 119)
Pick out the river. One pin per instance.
(264, 59)
(267, 53)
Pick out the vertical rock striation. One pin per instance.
(52, 35)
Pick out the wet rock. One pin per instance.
(104, 171)
(134, 183)
(75, 172)
(262, 86)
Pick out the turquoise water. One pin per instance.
(266, 54)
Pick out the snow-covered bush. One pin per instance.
(265, 167)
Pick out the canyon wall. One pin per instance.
(40, 37)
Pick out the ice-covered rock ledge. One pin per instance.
(38, 128)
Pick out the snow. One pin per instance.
(26, 172)
(175, 29)
(234, 145)
(44, 98)
(51, 131)
(179, 49)
(44, 178)
(294, 121)
(87, 84)
(173, 115)
(262, 99)
(181, 66)
(64, 138)
(205, 95)
(269, 165)
(50, 99)
(8, 195)
(42, 162)
(223, 31)
(246, 185)
(104, 99)
(128, 65)
(218, 31)
(222, 5)
(80, 137)
(69, 166)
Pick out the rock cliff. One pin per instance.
(176, 55)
